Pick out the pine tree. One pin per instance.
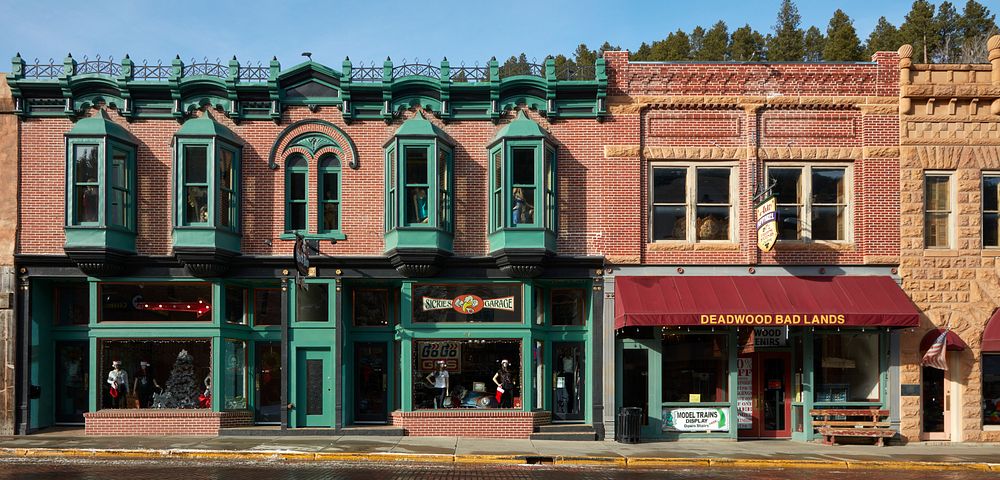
(715, 45)
(747, 45)
(675, 47)
(787, 43)
(918, 30)
(584, 55)
(842, 43)
(977, 23)
(696, 38)
(607, 47)
(813, 44)
(181, 389)
(564, 64)
(946, 24)
(642, 53)
(515, 66)
(884, 38)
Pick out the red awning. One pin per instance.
(863, 301)
(991, 336)
(952, 342)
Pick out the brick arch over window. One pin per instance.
(313, 139)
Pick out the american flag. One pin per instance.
(935, 356)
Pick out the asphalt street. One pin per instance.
(37, 469)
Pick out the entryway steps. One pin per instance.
(271, 431)
(578, 432)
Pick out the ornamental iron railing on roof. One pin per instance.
(366, 73)
(572, 71)
(473, 74)
(42, 70)
(99, 66)
(151, 72)
(532, 68)
(206, 68)
(416, 70)
(254, 73)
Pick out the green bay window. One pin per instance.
(100, 194)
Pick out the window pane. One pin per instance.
(936, 230)
(225, 169)
(155, 302)
(697, 364)
(86, 203)
(713, 185)
(85, 159)
(268, 382)
(789, 223)
(713, 223)
(298, 190)
(828, 186)
(72, 303)
(568, 306)
(371, 307)
(990, 228)
(331, 217)
(119, 169)
(329, 161)
(267, 306)
(116, 211)
(235, 304)
(416, 206)
(787, 186)
(497, 165)
(444, 201)
(669, 185)
(234, 375)
(416, 165)
(991, 184)
(329, 182)
(846, 366)
(937, 193)
(991, 389)
(828, 223)
(524, 206)
(312, 304)
(225, 208)
(669, 223)
(459, 373)
(297, 216)
(196, 164)
(498, 302)
(297, 161)
(524, 166)
(196, 209)
(161, 357)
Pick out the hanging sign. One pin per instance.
(301, 255)
(744, 393)
(769, 337)
(767, 223)
(695, 419)
(468, 304)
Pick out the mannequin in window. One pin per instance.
(565, 382)
(504, 380)
(524, 212)
(439, 380)
(118, 384)
(143, 384)
(420, 205)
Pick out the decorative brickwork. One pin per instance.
(471, 423)
(155, 422)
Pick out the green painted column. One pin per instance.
(807, 382)
(734, 350)
(217, 372)
(527, 390)
(96, 382)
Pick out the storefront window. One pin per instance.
(498, 302)
(371, 307)
(568, 307)
(465, 373)
(72, 302)
(156, 302)
(266, 306)
(312, 303)
(696, 368)
(846, 367)
(234, 380)
(991, 389)
(538, 361)
(155, 373)
(236, 299)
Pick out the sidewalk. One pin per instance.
(747, 454)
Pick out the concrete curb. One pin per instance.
(591, 461)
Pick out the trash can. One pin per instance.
(628, 425)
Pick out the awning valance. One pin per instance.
(862, 301)
(953, 342)
(991, 336)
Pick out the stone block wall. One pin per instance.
(8, 227)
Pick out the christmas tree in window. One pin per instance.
(181, 390)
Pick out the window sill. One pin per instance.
(991, 252)
(682, 246)
(991, 428)
(314, 236)
(813, 246)
(941, 252)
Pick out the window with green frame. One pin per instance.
(227, 189)
(329, 194)
(195, 185)
(424, 180)
(296, 193)
(102, 193)
(86, 186)
(208, 184)
(523, 185)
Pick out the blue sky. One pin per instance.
(370, 30)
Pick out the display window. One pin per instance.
(236, 301)
(485, 303)
(72, 303)
(846, 367)
(991, 389)
(266, 306)
(155, 373)
(312, 303)
(155, 302)
(234, 375)
(695, 368)
(472, 374)
(568, 307)
(371, 307)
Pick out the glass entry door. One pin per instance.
(934, 404)
(371, 381)
(770, 400)
(72, 367)
(314, 389)
(267, 366)
(568, 381)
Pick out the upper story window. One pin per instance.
(991, 209)
(101, 172)
(938, 209)
(327, 194)
(296, 193)
(418, 177)
(522, 177)
(208, 176)
(813, 201)
(692, 203)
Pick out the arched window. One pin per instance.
(328, 195)
(296, 196)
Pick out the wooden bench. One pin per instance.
(855, 422)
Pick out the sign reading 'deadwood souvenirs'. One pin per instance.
(695, 419)
(769, 337)
(767, 223)
(468, 304)
(775, 319)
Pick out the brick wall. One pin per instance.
(489, 424)
(156, 422)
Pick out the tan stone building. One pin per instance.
(8, 225)
(950, 249)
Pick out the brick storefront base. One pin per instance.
(158, 422)
(470, 423)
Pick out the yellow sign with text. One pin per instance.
(767, 223)
(773, 319)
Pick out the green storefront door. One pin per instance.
(314, 388)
